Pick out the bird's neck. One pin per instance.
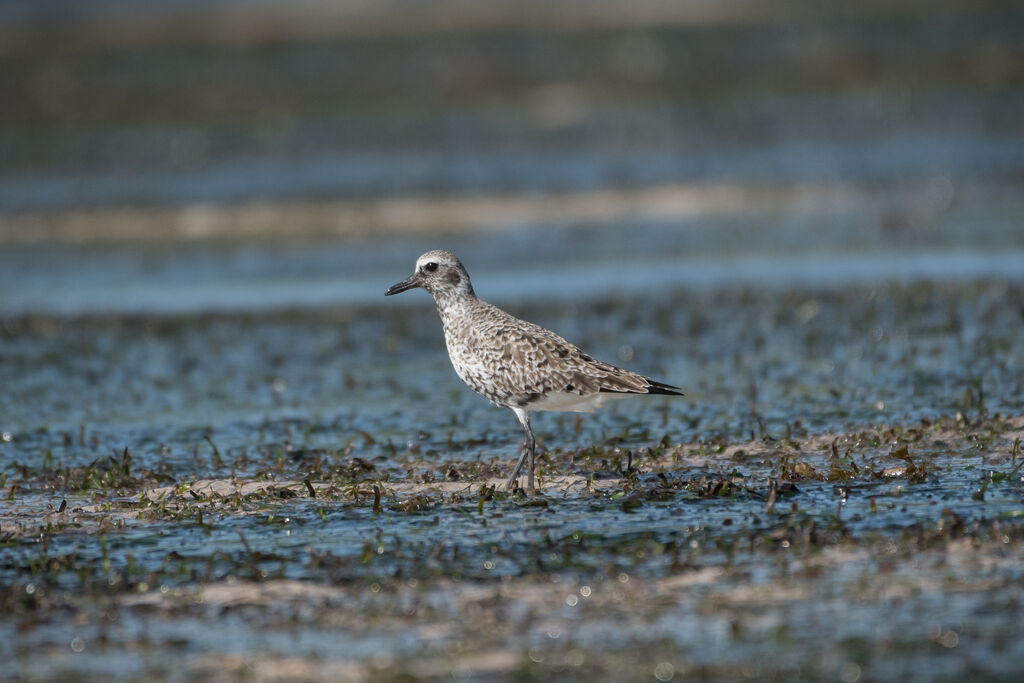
(454, 305)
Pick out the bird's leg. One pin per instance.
(532, 447)
(523, 453)
(526, 451)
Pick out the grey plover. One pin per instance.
(514, 363)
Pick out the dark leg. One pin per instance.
(532, 456)
(523, 455)
(527, 450)
(532, 448)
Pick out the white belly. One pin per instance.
(567, 402)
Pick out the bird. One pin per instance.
(514, 363)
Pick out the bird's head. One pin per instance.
(440, 273)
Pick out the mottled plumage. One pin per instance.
(515, 363)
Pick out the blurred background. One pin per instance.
(189, 155)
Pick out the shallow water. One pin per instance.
(287, 396)
(830, 358)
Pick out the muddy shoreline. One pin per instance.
(738, 547)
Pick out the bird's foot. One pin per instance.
(516, 490)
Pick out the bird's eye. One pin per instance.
(430, 267)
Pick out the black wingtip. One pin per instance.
(652, 388)
(665, 389)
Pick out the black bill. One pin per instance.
(408, 283)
